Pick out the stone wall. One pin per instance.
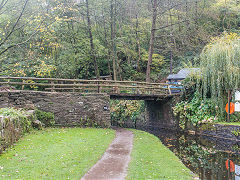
(69, 109)
(227, 132)
(11, 128)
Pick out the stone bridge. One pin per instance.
(75, 101)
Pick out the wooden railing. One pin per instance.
(90, 86)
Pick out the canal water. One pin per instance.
(210, 159)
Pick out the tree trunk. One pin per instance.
(93, 56)
(113, 41)
(138, 45)
(171, 36)
(107, 43)
(151, 44)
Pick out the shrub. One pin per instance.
(13, 123)
(196, 111)
(124, 110)
(47, 118)
(20, 117)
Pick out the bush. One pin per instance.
(19, 117)
(196, 111)
(47, 118)
(123, 110)
(13, 123)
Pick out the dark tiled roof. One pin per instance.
(182, 74)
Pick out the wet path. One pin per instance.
(113, 165)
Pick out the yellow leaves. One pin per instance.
(157, 61)
(41, 30)
(222, 42)
(126, 108)
(227, 38)
(20, 72)
(31, 82)
(231, 4)
(58, 19)
(44, 70)
(17, 64)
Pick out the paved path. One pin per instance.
(113, 165)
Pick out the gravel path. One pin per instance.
(114, 163)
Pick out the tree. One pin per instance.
(152, 39)
(220, 68)
(91, 41)
(3, 45)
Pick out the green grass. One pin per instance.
(55, 154)
(229, 123)
(150, 159)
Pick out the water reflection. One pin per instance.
(210, 158)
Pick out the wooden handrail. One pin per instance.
(55, 84)
(79, 80)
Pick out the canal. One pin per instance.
(210, 159)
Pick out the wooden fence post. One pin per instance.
(52, 86)
(169, 89)
(8, 84)
(98, 87)
(74, 86)
(23, 84)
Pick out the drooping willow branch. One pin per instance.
(220, 68)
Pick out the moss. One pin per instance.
(208, 126)
(47, 118)
(17, 117)
(229, 123)
(13, 124)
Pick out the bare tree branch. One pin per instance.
(3, 3)
(30, 37)
(14, 26)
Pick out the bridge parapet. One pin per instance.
(115, 88)
(70, 109)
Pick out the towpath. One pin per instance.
(114, 163)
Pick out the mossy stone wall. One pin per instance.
(70, 109)
(11, 128)
(228, 132)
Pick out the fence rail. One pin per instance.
(90, 86)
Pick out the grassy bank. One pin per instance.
(229, 123)
(152, 160)
(55, 154)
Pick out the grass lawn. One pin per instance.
(229, 123)
(150, 159)
(55, 153)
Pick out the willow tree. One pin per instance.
(220, 64)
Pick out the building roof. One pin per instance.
(183, 73)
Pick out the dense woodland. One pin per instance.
(142, 40)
